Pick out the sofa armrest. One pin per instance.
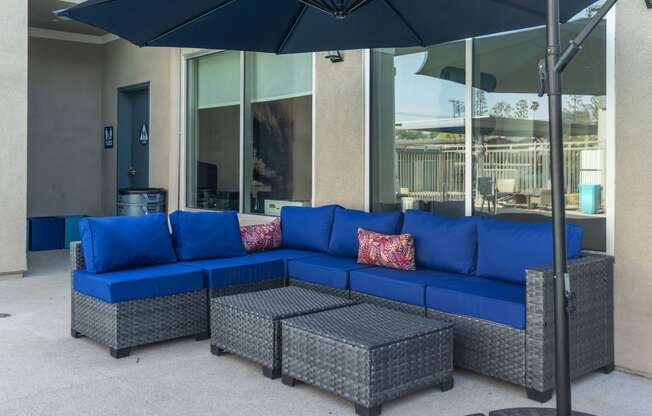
(591, 322)
(76, 256)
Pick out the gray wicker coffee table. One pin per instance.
(249, 325)
(367, 354)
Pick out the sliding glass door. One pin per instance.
(277, 132)
(427, 152)
(249, 132)
(213, 135)
(511, 152)
(417, 129)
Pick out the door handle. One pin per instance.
(131, 171)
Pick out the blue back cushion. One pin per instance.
(206, 235)
(344, 238)
(507, 248)
(443, 243)
(307, 228)
(115, 243)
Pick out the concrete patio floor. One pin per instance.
(43, 371)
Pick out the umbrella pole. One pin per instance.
(562, 289)
(555, 63)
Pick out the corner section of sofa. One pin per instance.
(591, 321)
(525, 356)
(232, 275)
(123, 324)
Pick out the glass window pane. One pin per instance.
(417, 128)
(278, 132)
(213, 136)
(510, 130)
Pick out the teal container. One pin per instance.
(590, 198)
(72, 232)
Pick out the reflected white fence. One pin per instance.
(435, 172)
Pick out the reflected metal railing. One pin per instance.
(435, 172)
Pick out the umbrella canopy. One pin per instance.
(292, 26)
(522, 50)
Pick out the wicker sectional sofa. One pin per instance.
(526, 356)
(485, 281)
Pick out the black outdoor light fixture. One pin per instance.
(334, 56)
(648, 3)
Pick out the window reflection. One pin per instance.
(417, 149)
(510, 130)
(213, 139)
(417, 128)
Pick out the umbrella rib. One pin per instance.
(290, 31)
(322, 7)
(190, 21)
(512, 3)
(406, 23)
(356, 5)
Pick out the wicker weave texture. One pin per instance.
(389, 304)
(487, 347)
(367, 354)
(138, 322)
(591, 323)
(342, 293)
(248, 287)
(249, 324)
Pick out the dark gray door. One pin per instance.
(133, 137)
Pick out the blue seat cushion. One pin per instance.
(331, 271)
(307, 228)
(139, 283)
(285, 254)
(344, 237)
(206, 235)
(507, 248)
(442, 243)
(114, 243)
(398, 285)
(478, 297)
(219, 273)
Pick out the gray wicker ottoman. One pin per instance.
(367, 354)
(249, 324)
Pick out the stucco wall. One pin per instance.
(64, 170)
(13, 135)
(339, 130)
(633, 225)
(126, 65)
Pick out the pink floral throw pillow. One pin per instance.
(262, 236)
(394, 251)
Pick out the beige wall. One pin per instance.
(633, 251)
(125, 65)
(339, 130)
(64, 169)
(13, 135)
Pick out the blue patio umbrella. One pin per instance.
(292, 26)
